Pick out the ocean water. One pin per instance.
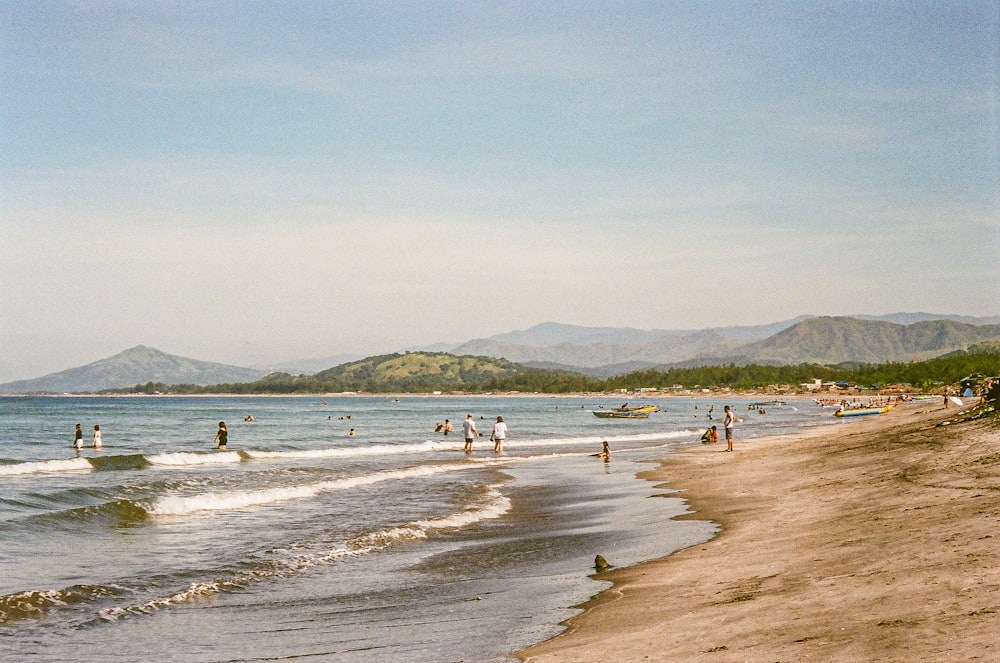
(302, 542)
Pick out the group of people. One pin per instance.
(470, 432)
(711, 435)
(78, 437)
(497, 437)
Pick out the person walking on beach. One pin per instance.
(222, 437)
(469, 427)
(499, 435)
(78, 438)
(97, 437)
(730, 421)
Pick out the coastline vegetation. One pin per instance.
(434, 372)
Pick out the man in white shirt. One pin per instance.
(469, 426)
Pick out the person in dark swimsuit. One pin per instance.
(222, 436)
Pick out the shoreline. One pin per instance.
(869, 541)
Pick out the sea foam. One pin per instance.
(185, 458)
(63, 465)
(352, 452)
(184, 505)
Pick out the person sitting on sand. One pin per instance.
(710, 436)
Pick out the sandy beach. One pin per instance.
(874, 540)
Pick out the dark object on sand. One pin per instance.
(600, 563)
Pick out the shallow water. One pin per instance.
(301, 541)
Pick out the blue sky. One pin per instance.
(250, 182)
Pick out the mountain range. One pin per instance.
(600, 351)
(603, 352)
(137, 365)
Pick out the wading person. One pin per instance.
(469, 428)
(730, 421)
(222, 436)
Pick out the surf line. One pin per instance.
(493, 505)
(177, 505)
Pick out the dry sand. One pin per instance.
(875, 540)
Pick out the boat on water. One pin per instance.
(861, 411)
(622, 414)
(641, 408)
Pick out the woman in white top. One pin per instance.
(97, 437)
(499, 434)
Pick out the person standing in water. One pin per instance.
(97, 437)
(499, 435)
(469, 428)
(730, 421)
(78, 438)
(222, 437)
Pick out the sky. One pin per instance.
(253, 182)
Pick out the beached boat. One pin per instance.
(862, 411)
(622, 414)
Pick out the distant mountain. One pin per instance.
(604, 351)
(910, 318)
(835, 340)
(553, 333)
(309, 366)
(596, 351)
(137, 365)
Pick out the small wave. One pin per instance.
(120, 462)
(195, 590)
(494, 505)
(185, 505)
(182, 458)
(36, 467)
(497, 506)
(34, 603)
(351, 452)
(432, 446)
(232, 582)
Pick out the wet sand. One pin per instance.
(874, 540)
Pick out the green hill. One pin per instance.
(418, 371)
(412, 372)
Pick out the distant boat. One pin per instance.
(622, 414)
(641, 408)
(861, 411)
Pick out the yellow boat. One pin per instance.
(861, 411)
